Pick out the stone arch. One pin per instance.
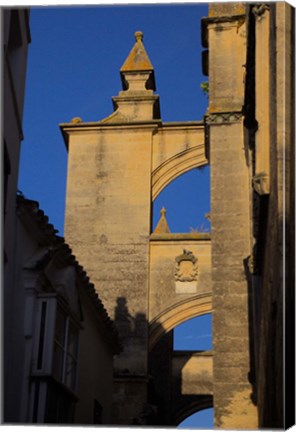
(203, 402)
(177, 314)
(176, 165)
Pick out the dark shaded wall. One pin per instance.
(273, 221)
(16, 38)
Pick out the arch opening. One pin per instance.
(194, 334)
(202, 419)
(187, 202)
(178, 163)
(172, 317)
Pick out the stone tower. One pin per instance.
(108, 219)
(116, 167)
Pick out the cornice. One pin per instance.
(194, 236)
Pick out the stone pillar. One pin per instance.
(230, 217)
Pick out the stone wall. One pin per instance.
(230, 218)
(108, 226)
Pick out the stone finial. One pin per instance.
(162, 226)
(137, 62)
(76, 120)
(139, 36)
(136, 101)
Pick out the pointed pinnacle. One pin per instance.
(162, 226)
(139, 36)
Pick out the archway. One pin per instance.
(192, 349)
(187, 201)
(172, 317)
(203, 419)
(181, 381)
(178, 164)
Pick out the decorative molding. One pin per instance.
(174, 315)
(223, 19)
(186, 267)
(223, 117)
(180, 237)
(259, 10)
(260, 183)
(176, 165)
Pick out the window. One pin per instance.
(54, 362)
(65, 350)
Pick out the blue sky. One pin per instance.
(73, 71)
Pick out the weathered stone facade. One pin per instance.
(251, 69)
(230, 218)
(151, 282)
(116, 168)
(243, 272)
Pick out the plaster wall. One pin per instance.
(14, 74)
(95, 370)
(20, 330)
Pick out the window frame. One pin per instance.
(43, 377)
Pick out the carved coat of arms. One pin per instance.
(186, 267)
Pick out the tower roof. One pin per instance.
(138, 61)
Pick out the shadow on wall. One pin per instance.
(167, 405)
(128, 326)
(265, 317)
(130, 367)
